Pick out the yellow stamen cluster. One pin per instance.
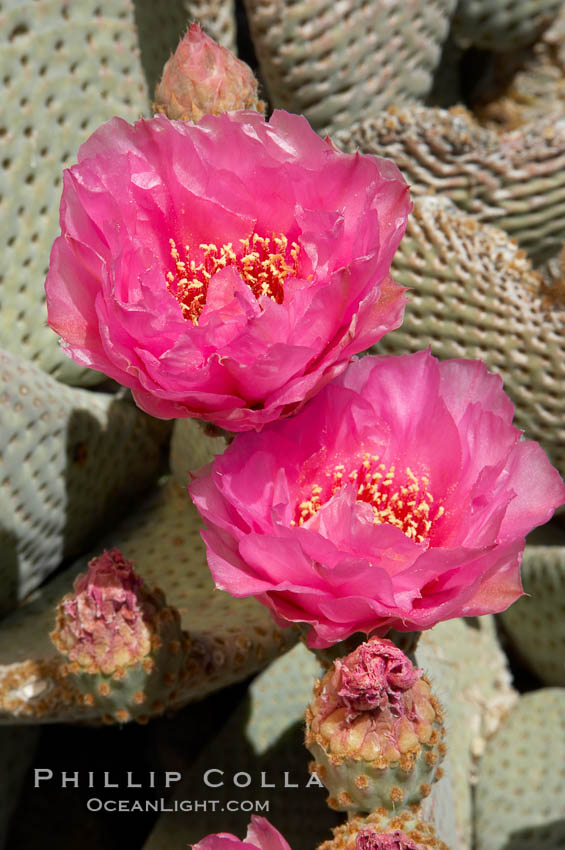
(399, 498)
(263, 263)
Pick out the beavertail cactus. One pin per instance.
(382, 830)
(201, 77)
(333, 68)
(124, 645)
(73, 461)
(375, 730)
(519, 797)
(513, 180)
(502, 24)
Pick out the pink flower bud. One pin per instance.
(202, 77)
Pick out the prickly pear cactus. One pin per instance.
(535, 624)
(194, 444)
(333, 68)
(502, 24)
(470, 675)
(514, 180)
(474, 294)
(519, 798)
(66, 68)
(376, 736)
(229, 638)
(73, 461)
(525, 86)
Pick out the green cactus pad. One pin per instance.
(475, 295)
(515, 180)
(333, 68)
(470, 675)
(502, 24)
(524, 86)
(535, 623)
(229, 638)
(519, 798)
(194, 444)
(73, 460)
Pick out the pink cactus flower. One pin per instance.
(202, 77)
(225, 270)
(261, 835)
(398, 497)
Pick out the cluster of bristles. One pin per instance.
(408, 507)
(263, 265)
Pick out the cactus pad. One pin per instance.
(519, 798)
(502, 24)
(72, 461)
(515, 180)
(472, 680)
(194, 444)
(536, 623)
(475, 295)
(229, 638)
(332, 68)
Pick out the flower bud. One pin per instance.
(204, 78)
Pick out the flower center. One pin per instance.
(263, 263)
(398, 498)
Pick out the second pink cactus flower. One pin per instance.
(398, 497)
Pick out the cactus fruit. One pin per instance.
(375, 730)
(472, 680)
(502, 24)
(73, 460)
(333, 68)
(230, 638)
(203, 78)
(514, 180)
(535, 625)
(383, 830)
(475, 295)
(124, 646)
(519, 797)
